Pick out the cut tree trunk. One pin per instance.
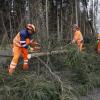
(34, 54)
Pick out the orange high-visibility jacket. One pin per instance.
(23, 38)
(78, 36)
(98, 45)
(99, 36)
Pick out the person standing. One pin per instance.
(20, 47)
(98, 43)
(77, 37)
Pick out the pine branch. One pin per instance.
(55, 76)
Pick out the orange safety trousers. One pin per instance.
(17, 52)
(79, 39)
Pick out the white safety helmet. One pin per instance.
(75, 26)
(31, 27)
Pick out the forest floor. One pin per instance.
(79, 72)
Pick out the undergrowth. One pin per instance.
(68, 76)
(84, 67)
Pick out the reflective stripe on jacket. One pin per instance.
(23, 38)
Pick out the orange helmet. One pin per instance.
(31, 27)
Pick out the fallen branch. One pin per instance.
(55, 76)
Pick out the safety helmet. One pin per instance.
(31, 27)
(75, 26)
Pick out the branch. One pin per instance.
(55, 76)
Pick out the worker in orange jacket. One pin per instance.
(77, 37)
(20, 47)
(98, 43)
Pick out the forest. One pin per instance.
(58, 71)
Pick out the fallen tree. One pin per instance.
(35, 54)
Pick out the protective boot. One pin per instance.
(25, 67)
(10, 70)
